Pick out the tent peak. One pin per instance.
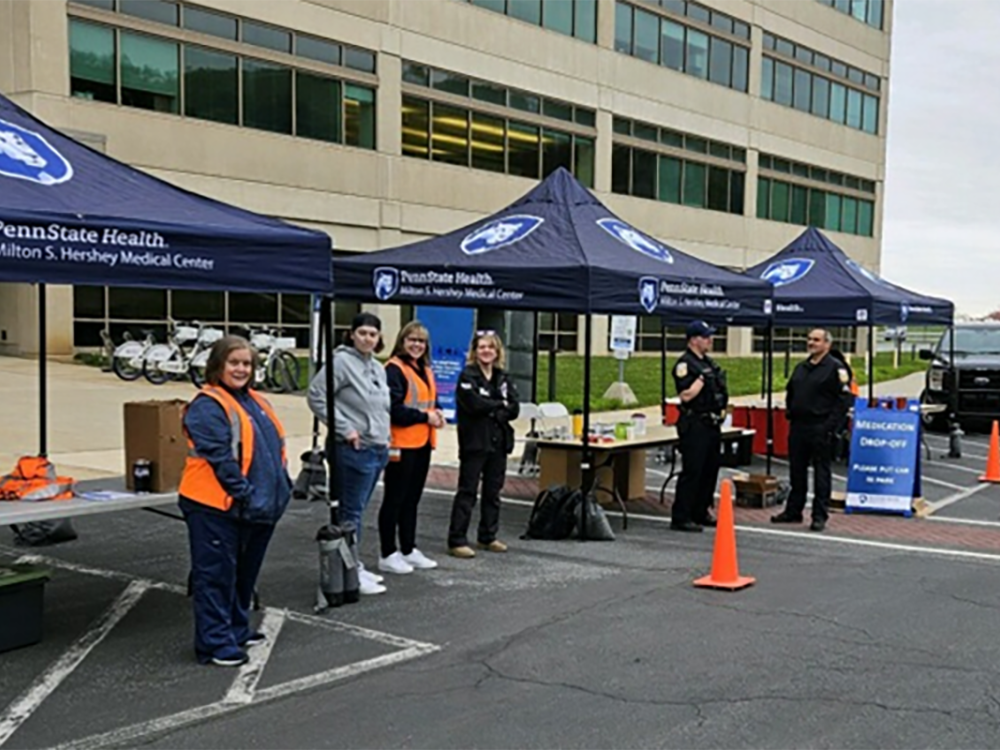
(560, 188)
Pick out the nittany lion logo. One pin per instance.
(904, 312)
(499, 233)
(386, 283)
(870, 275)
(649, 293)
(787, 271)
(25, 155)
(635, 239)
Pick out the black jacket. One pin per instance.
(714, 396)
(819, 394)
(485, 409)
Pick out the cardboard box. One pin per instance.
(153, 431)
(756, 490)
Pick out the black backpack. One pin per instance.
(554, 514)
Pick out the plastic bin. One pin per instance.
(22, 596)
(737, 450)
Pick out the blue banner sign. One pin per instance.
(450, 330)
(885, 466)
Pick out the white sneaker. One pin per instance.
(395, 563)
(363, 572)
(419, 560)
(367, 587)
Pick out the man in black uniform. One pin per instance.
(701, 385)
(817, 400)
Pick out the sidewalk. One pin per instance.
(86, 431)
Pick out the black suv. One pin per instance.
(977, 362)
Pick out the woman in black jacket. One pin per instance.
(486, 405)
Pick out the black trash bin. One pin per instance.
(737, 449)
(22, 595)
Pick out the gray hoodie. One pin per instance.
(361, 396)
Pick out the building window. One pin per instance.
(275, 97)
(93, 74)
(866, 11)
(577, 18)
(211, 85)
(685, 36)
(118, 310)
(499, 130)
(662, 164)
(316, 112)
(810, 196)
(793, 340)
(559, 331)
(853, 102)
(150, 73)
(267, 96)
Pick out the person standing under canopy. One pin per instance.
(701, 385)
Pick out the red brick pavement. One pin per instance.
(897, 529)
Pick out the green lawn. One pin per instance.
(643, 375)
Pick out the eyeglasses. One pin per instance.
(486, 332)
(411, 340)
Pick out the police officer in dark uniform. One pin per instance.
(817, 400)
(701, 385)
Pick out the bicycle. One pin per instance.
(278, 369)
(173, 360)
(128, 358)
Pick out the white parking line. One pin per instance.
(934, 507)
(241, 693)
(25, 705)
(243, 687)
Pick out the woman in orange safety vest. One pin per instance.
(414, 417)
(234, 489)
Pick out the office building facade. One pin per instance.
(719, 126)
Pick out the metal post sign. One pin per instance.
(885, 466)
(623, 333)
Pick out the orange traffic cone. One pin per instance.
(725, 572)
(993, 457)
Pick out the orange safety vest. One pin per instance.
(419, 395)
(34, 478)
(199, 482)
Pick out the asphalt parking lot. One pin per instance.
(880, 632)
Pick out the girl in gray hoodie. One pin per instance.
(358, 445)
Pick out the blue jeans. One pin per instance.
(356, 474)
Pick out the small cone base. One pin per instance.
(993, 457)
(725, 571)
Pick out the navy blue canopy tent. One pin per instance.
(557, 248)
(815, 283)
(70, 215)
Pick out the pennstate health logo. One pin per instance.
(649, 293)
(870, 275)
(25, 155)
(499, 233)
(385, 281)
(787, 271)
(635, 239)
